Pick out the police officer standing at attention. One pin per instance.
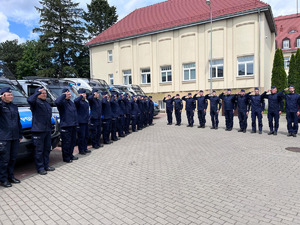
(128, 114)
(134, 113)
(107, 116)
(169, 105)
(95, 118)
(257, 105)
(68, 124)
(190, 106)
(201, 107)
(82, 107)
(140, 113)
(10, 136)
(292, 110)
(146, 111)
(275, 108)
(121, 118)
(150, 111)
(115, 114)
(229, 105)
(243, 109)
(215, 106)
(178, 109)
(41, 130)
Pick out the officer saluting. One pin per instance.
(201, 107)
(95, 118)
(257, 105)
(215, 106)
(134, 113)
(107, 115)
(169, 105)
(82, 107)
(150, 111)
(115, 109)
(41, 130)
(10, 136)
(243, 108)
(178, 109)
(274, 109)
(229, 105)
(128, 114)
(190, 106)
(68, 124)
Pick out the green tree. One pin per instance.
(279, 78)
(99, 17)
(293, 73)
(10, 53)
(297, 80)
(61, 29)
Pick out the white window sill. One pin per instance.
(245, 77)
(188, 81)
(165, 83)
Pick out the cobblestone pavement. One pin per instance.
(168, 175)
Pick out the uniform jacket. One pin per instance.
(243, 103)
(127, 106)
(178, 104)
(275, 101)
(190, 104)
(96, 107)
(122, 106)
(106, 108)
(292, 102)
(115, 108)
(169, 103)
(229, 101)
(150, 106)
(67, 111)
(82, 107)
(201, 102)
(257, 103)
(135, 110)
(215, 103)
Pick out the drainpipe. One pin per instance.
(259, 48)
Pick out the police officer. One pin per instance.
(135, 111)
(178, 109)
(190, 106)
(107, 117)
(275, 108)
(41, 130)
(10, 136)
(150, 111)
(243, 109)
(128, 114)
(215, 107)
(229, 106)
(201, 107)
(121, 118)
(257, 105)
(95, 118)
(115, 109)
(292, 110)
(169, 105)
(140, 113)
(68, 124)
(146, 111)
(82, 107)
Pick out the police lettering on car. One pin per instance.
(10, 136)
(41, 130)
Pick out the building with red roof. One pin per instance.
(165, 48)
(288, 36)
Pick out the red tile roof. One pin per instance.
(284, 25)
(170, 14)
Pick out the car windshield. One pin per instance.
(19, 99)
(57, 90)
(137, 90)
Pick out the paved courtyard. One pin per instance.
(168, 175)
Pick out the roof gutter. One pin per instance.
(267, 9)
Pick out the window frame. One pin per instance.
(298, 42)
(284, 41)
(109, 55)
(216, 66)
(286, 62)
(168, 69)
(147, 74)
(127, 76)
(111, 78)
(189, 69)
(245, 63)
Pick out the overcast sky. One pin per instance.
(19, 17)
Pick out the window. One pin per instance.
(246, 66)
(109, 56)
(286, 44)
(217, 68)
(127, 77)
(111, 79)
(189, 71)
(161, 105)
(298, 42)
(286, 62)
(166, 74)
(146, 76)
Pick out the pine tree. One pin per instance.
(292, 78)
(99, 17)
(61, 29)
(297, 79)
(279, 78)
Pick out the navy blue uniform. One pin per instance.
(275, 105)
(146, 112)
(229, 106)
(257, 105)
(135, 111)
(41, 130)
(243, 109)
(292, 107)
(215, 106)
(178, 105)
(201, 107)
(82, 107)
(10, 133)
(115, 109)
(169, 106)
(121, 118)
(68, 124)
(128, 114)
(190, 106)
(95, 120)
(150, 111)
(107, 116)
(140, 114)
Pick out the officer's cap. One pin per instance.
(242, 90)
(291, 86)
(4, 90)
(150, 96)
(39, 88)
(114, 93)
(94, 90)
(200, 91)
(228, 89)
(189, 93)
(177, 95)
(256, 89)
(273, 87)
(65, 90)
(102, 93)
(169, 95)
(214, 91)
(81, 91)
